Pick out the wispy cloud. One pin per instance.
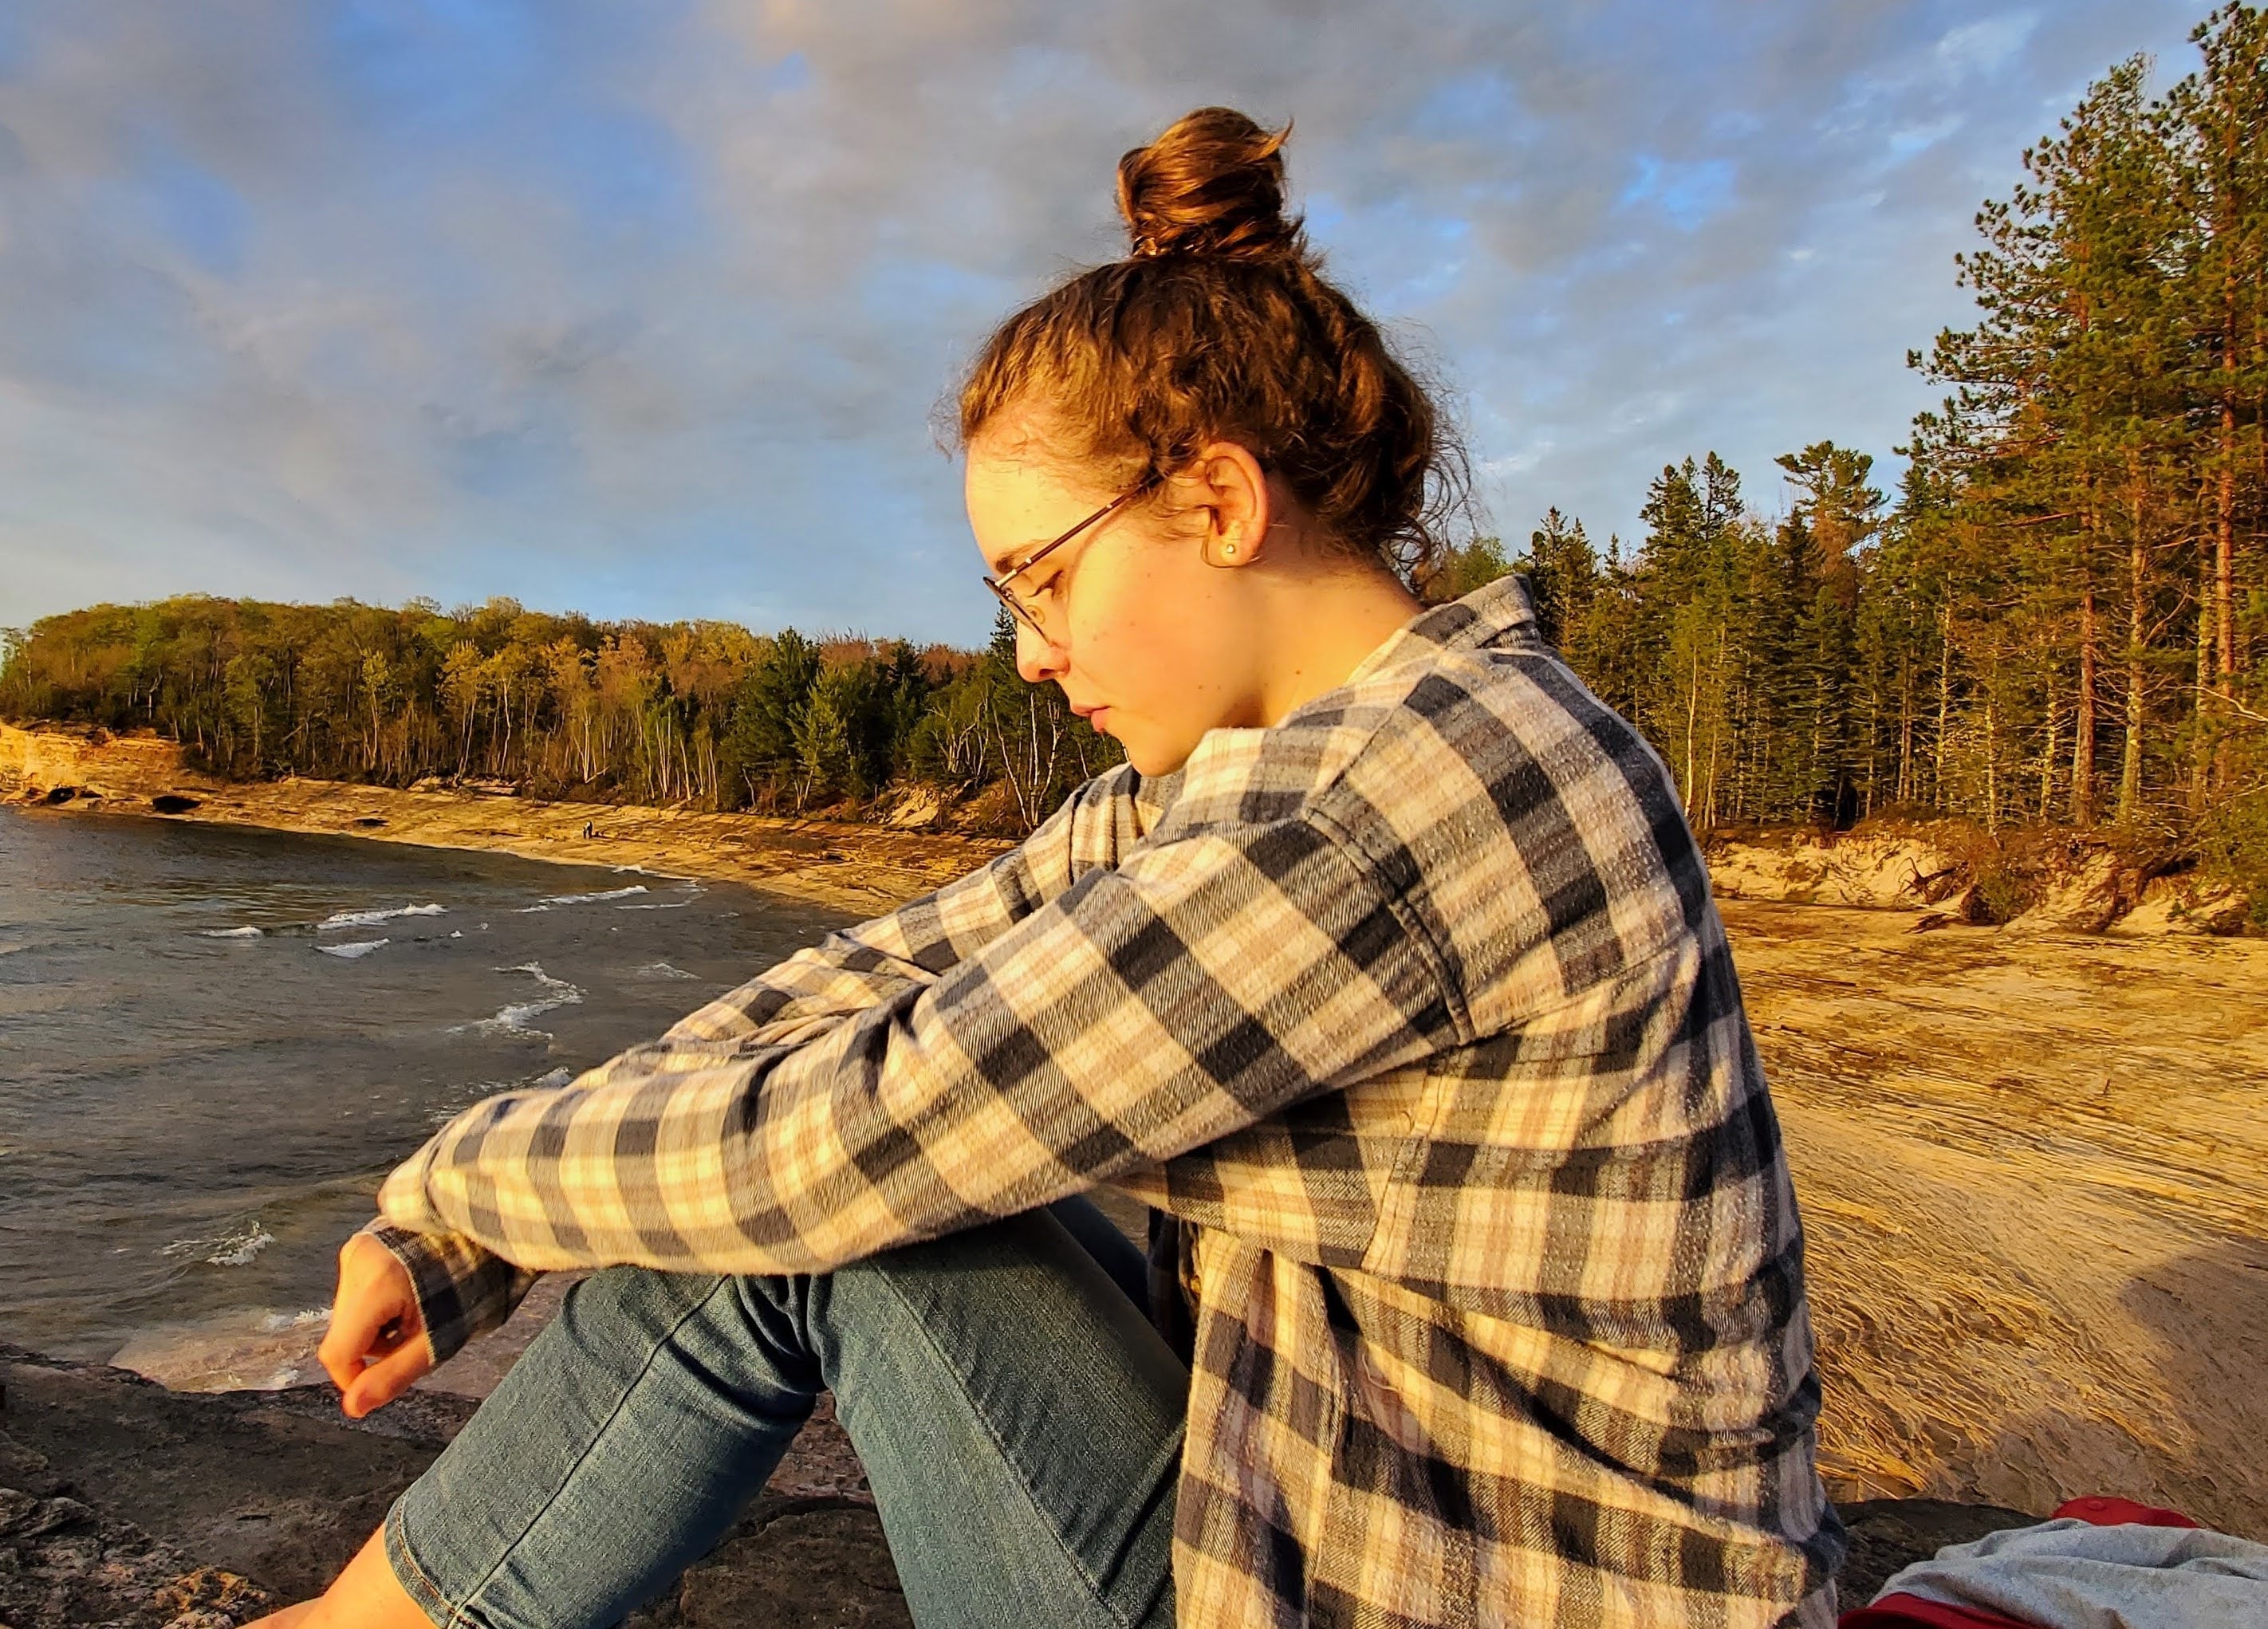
(644, 309)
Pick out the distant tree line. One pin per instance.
(705, 713)
(2058, 619)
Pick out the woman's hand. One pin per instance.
(376, 1345)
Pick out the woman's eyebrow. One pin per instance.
(1017, 562)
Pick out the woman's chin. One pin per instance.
(1151, 758)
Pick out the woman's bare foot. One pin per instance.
(365, 1596)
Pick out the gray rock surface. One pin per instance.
(1891, 1534)
(125, 1505)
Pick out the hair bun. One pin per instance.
(1212, 184)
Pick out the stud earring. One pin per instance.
(1228, 548)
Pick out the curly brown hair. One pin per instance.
(1219, 326)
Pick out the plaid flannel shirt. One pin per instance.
(1415, 1010)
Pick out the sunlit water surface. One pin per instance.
(215, 1042)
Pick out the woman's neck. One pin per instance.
(1322, 628)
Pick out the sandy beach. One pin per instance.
(2031, 1160)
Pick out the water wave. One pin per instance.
(513, 1019)
(474, 1093)
(358, 948)
(672, 905)
(659, 969)
(9, 948)
(371, 919)
(237, 1248)
(231, 932)
(593, 899)
(240, 1351)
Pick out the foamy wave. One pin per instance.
(659, 969)
(513, 1020)
(231, 932)
(593, 899)
(478, 1091)
(10, 947)
(235, 1248)
(231, 1352)
(360, 948)
(317, 1318)
(677, 905)
(371, 919)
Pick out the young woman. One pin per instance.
(1386, 972)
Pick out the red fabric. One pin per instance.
(2101, 1512)
(1910, 1612)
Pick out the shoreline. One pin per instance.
(855, 867)
(866, 868)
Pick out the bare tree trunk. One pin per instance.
(2201, 760)
(2082, 748)
(1692, 709)
(2224, 524)
(1905, 732)
(2048, 755)
(2138, 630)
(1944, 696)
(1992, 768)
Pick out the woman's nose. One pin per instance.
(1038, 657)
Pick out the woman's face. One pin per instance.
(1142, 627)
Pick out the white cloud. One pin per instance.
(645, 310)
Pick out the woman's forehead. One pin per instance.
(1017, 503)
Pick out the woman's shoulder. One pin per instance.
(1509, 808)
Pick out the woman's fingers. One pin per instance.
(357, 1322)
(386, 1379)
(375, 1345)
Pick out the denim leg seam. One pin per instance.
(457, 1613)
(420, 1585)
(1078, 1563)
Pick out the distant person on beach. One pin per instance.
(1384, 972)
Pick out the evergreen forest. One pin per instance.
(2056, 618)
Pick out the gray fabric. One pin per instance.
(2071, 1574)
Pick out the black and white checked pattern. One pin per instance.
(1415, 1011)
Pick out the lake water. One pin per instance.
(215, 1042)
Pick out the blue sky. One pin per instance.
(645, 310)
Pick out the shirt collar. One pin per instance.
(1491, 614)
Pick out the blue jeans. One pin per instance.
(1017, 1415)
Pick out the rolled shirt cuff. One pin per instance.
(463, 1289)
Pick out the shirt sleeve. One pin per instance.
(1200, 985)
(464, 1289)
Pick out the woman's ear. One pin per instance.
(1237, 503)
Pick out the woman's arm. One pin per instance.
(464, 1289)
(860, 967)
(1200, 986)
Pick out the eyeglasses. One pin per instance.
(1021, 609)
